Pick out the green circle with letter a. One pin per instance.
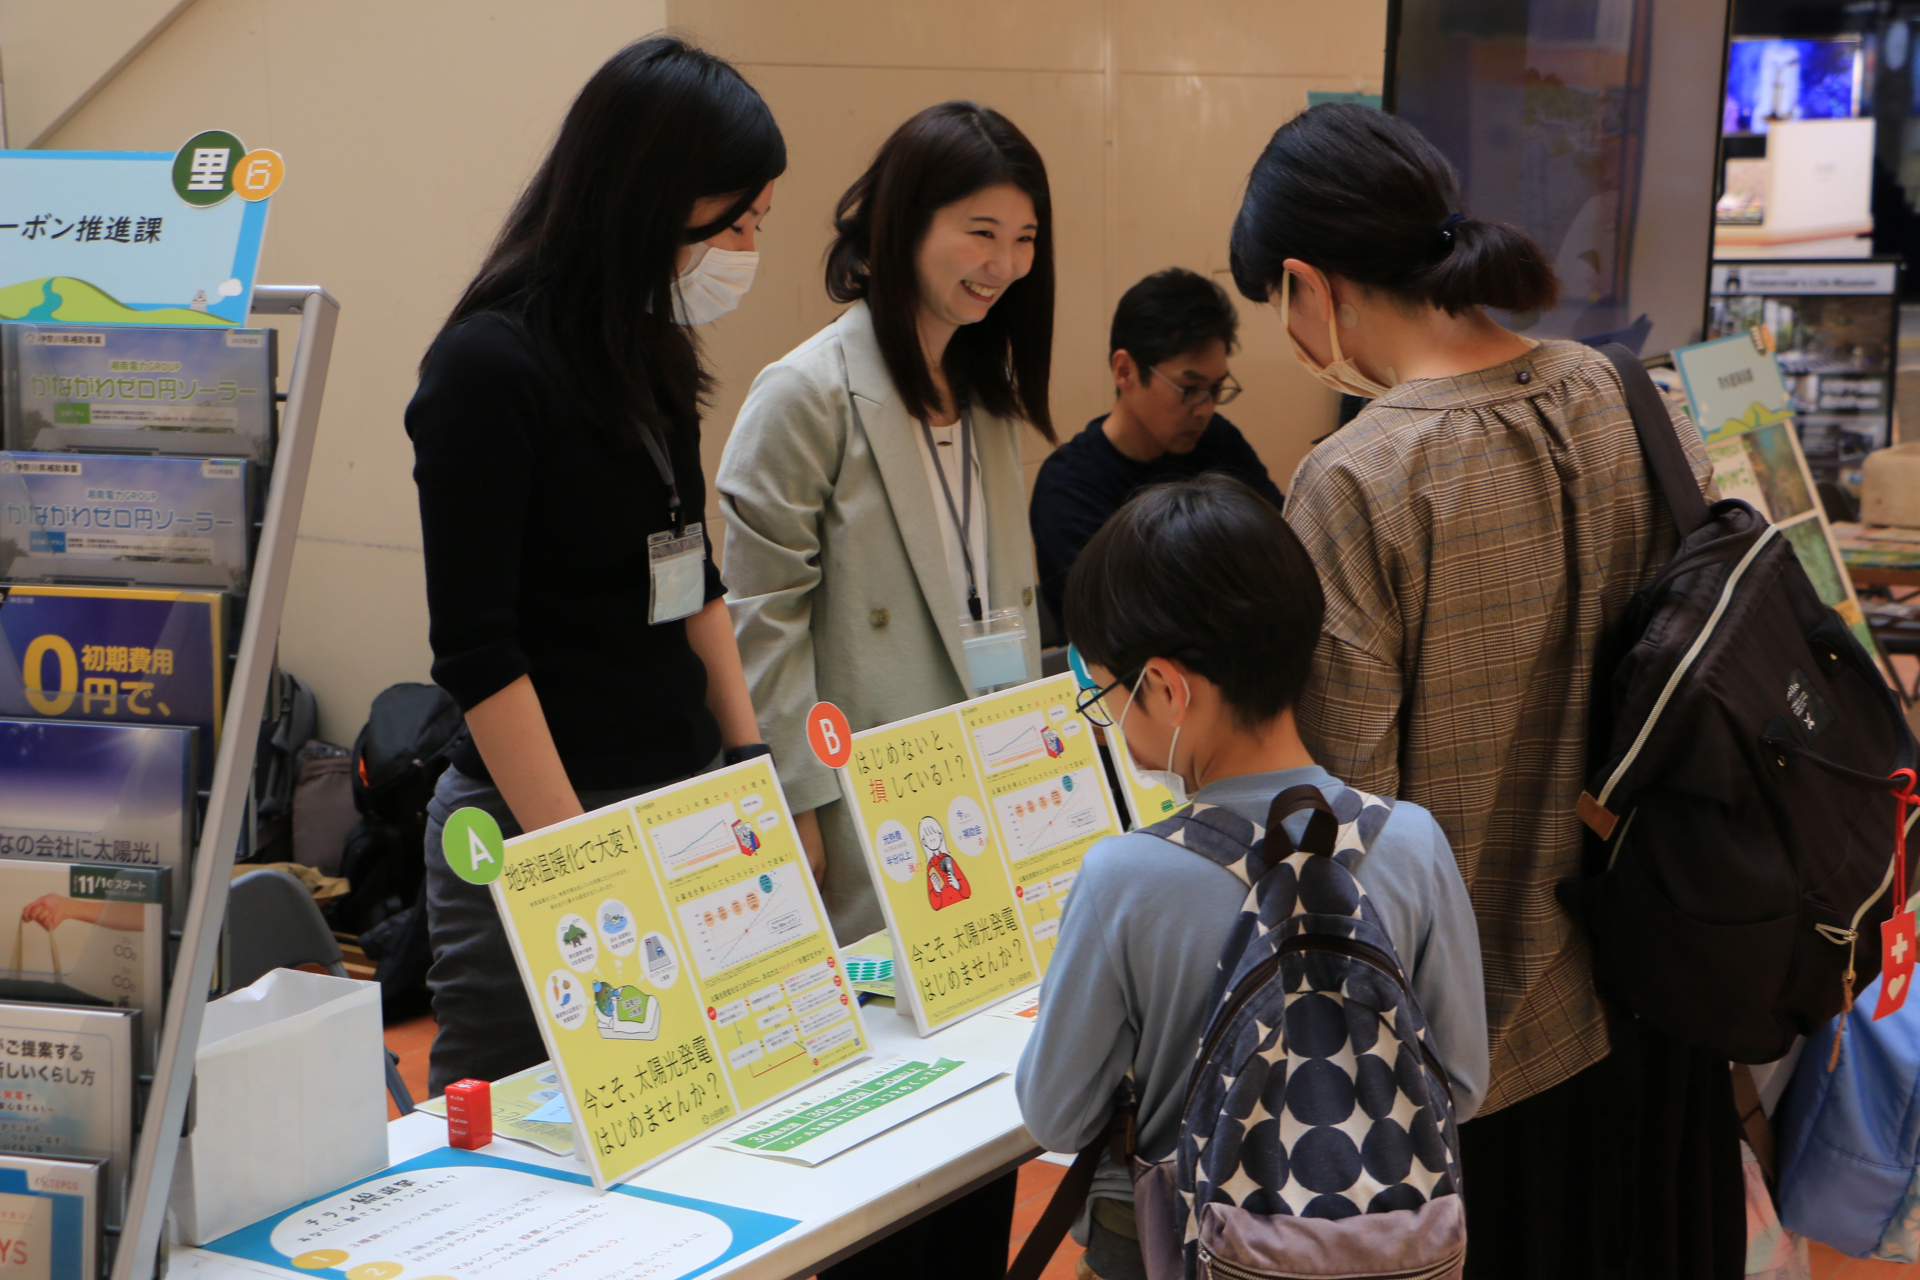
(473, 845)
(203, 168)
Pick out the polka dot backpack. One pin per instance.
(1318, 1137)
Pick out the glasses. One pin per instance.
(1221, 392)
(1090, 703)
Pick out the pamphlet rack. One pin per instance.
(224, 827)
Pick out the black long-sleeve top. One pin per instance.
(535, 528)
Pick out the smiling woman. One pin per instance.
(877, 547)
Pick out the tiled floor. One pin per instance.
(412, 1040)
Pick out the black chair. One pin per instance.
(274, 923)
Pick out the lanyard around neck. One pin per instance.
(661, 463)
(962, 524)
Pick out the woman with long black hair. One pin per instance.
(576, 614)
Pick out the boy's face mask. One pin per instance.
(1342, 374)
(1166, 777)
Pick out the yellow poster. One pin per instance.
(921, 809)
(646, 932)
(1046, 794)
(751, 927)
(1147, 801)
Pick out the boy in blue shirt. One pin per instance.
(1198, 611)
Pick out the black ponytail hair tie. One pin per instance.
(1446, 228)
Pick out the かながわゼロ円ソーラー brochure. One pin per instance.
(177, 522)
(139, 389)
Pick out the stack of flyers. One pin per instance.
(122, 655)
(50, 1217)
(81, 934)
(139, 521)
(140, 389)
(66, 1088)
(106, 793)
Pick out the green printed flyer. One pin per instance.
(855, 1106)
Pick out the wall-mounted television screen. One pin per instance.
(1592, 124)
(1770, 80)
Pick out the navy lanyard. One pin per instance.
(665, 467)
(964, 524)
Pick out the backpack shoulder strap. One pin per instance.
(1658, 442)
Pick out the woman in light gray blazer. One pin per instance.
(846, 482)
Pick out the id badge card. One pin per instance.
(676, 574)
(996, 650)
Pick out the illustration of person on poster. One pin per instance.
(946, 883)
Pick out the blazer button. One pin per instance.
(879, 618)
(1026, 597)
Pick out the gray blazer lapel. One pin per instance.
(890, 434)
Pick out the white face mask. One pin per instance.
(1165, 777)
(1342, 374)
(713, 284)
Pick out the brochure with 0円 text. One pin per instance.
(938, 868)
(178, 522)
(679, 953)
(122, 655)
(512, 1219)
(50, 1217)
(85, 934)
(66, 1087)
(1047, 791)
(149, 389)
(104, 793)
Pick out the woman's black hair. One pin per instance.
(1361, 194)
(1203, 571)
(942, 155)
(587, 259)
(1169, 313)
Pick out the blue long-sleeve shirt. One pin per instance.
(1128, 984)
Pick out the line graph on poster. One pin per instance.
(1049, 814)
(747, 919)
(703, 838)
(1016, 741)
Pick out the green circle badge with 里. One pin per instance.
(473, 845)
(203, 168)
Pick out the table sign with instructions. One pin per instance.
(974, 820)
(678, 958)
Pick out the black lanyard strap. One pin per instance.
(665, 467)
(962, 524)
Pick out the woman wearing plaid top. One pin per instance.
(1477, 529)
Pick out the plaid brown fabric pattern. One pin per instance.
(1476, 535)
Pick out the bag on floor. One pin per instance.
(1848, 1134)
(1742, 806)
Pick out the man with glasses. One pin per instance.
(1171, 336)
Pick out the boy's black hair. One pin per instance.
(1170, 312)
(1206, 572)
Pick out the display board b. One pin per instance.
(974, 820)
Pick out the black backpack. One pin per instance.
(410, 735)
(1740, 804)
(276, 766)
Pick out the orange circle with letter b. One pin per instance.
(829, 735)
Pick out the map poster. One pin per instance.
(1046, 793)
(134, 237)
(644, 931)
(920, 806)
(1745, 416)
